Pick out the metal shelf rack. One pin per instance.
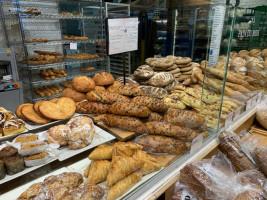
(50, 24)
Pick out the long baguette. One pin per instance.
(123, 122)
(168, 129)
(129, 109)
(184, 118)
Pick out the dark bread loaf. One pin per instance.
(161, 144)
(129, 109)
(129, 81)
(123, 122)
(161, 79)
(106, 97)
(260, 156)
(143, 72)
(168, 129)
(87, 107)
(229, 145)
(184, 118)
(153, 91)
(126, 90)
(153, 116)
(172, 86)
(2, 170)
(154, 104)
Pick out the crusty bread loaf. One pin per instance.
(260, 156)
(126, 90)
(129, 81)
(184, 118)
(161, 144)
(172, 86)
(261, 116)
(161, 79)
(87, 107)
(153, 91)
(83, 84)
(168, 129)
(129, 109)
(73, 94)
(103, 78)
(154, 104)
(106, 97)
(123, 122)
(143, 72)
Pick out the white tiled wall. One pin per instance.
(245, 3)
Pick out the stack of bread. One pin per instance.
(121, 166)
(77, 133)
(67, 185)
(51, 74)
(47, 91)
(9, 124)
(43, 112)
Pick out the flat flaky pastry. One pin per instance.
(122, 166)
(124, 185)
(98, 171)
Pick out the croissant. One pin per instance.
(150, 167)
(98, 171)
(102, 152)
(125, 149)
(143, 155)
(122, 166)
(124, 185)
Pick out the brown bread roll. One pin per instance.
(154, 104)
(83, 84)
(127, 90)
(87, 107)
(73, 94)
(106, 97)
(103, 78)
(129, 109)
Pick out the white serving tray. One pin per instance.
(81, 165)
(100, 137)
(14, 194)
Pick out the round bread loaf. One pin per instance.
(83, 84)
(261, 116)
(143, 72)
(255, 52)
(103, 78)
(76, 96)
(100, 88)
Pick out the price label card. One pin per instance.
(259, 97)
(249, 105)
(73, 45)
(229, 119)
(237, 113)
(254, 101)
(196, 144)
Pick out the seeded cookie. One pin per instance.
(182, 60)
(186, 69)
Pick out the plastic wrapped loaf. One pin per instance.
(260, 156)
(230, 146)
(181, 193)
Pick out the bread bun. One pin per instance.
(76, 96)
(255, 52)
(83, 84)
(103, 78)
(243, 53)
(100, 88)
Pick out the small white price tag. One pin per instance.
(229, 119)
(237, 114)
(196, 144)
(254, 101)
(259, 96)
(73, 45)
(248, 106)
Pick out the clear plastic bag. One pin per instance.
(260, 156)
(181, 193)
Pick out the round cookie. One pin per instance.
(18, 111)
(171, 57)
(83, 84)
(187, 73)
(185, 69)
(103, 78)
(29, 113)
(148, 60)
(186, 65)
(162, 63)
(177, 75)
(174, 71)
(182, 60)
(182, 77)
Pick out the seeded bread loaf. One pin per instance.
(161, 79)
(153, 91)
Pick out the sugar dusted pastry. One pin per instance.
(124, 185)
(81, 133)
(31, 192)
(59, 134)
(98, 171)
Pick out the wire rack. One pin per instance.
(36, 80)
(52, 17)
(65, 62)
(73, 72)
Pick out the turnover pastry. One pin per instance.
(97, 171)
(102, 152)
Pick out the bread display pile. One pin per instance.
(72, 37)
(43, 57)
(9, 124)
(121, 166)
(47, 91)
(64, 186)
(51, 74)
(82, 56)
(43, 112)
(231, 175)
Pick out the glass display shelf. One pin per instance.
(65, 62)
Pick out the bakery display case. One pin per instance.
(54, 41)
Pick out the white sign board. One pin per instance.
(122, 35)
